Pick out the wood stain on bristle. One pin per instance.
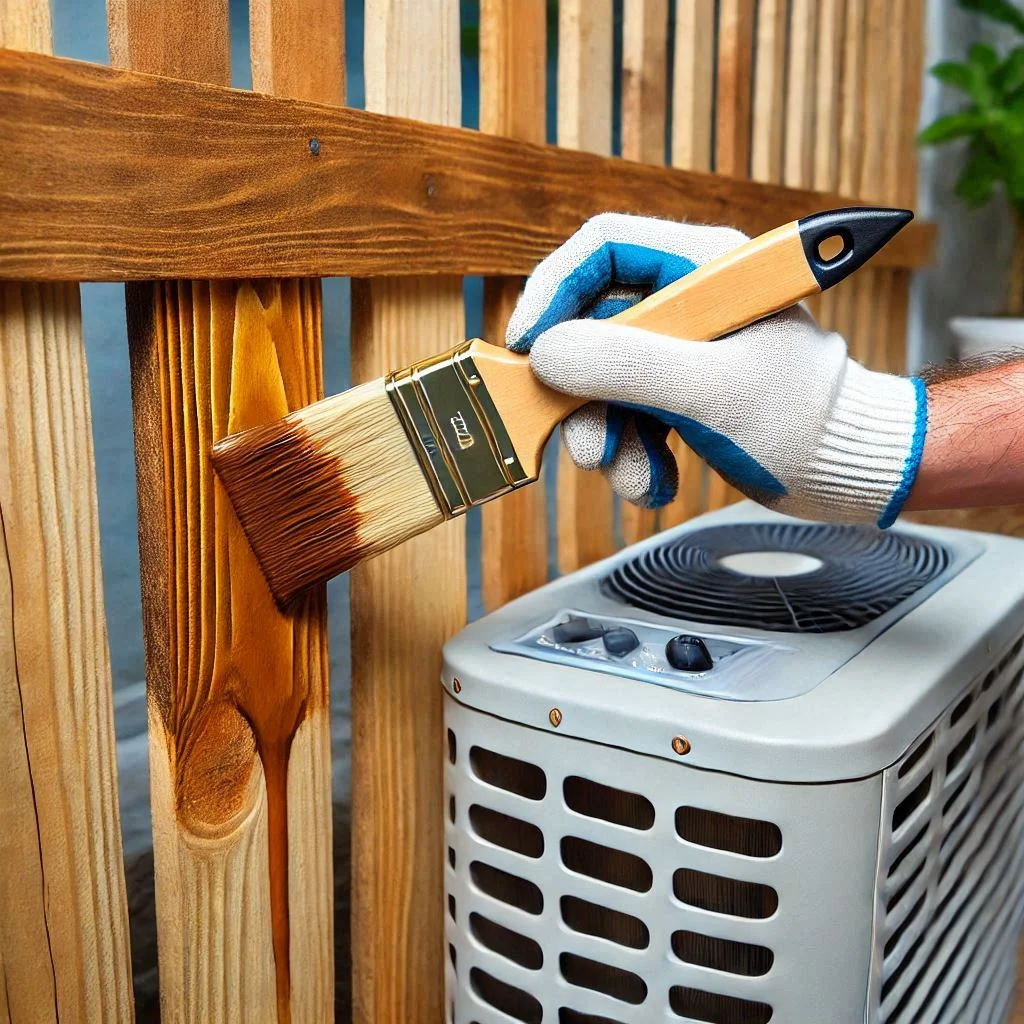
(338, 477)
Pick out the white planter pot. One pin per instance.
(977, 335)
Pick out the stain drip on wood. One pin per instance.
(241, 676)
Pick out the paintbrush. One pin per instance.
(353, 475)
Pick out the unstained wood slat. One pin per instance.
(769, 90)
(692, 103)
(644, 109)
(239, 747)
(409, 601)
(513, 65)
(585, 506)
(63, 915)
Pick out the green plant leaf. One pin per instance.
(951, 72)
(983, 57)
(1010, 76)
(979, 176)
(952, 126)
(998, 10)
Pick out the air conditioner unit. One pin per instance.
(750, 770)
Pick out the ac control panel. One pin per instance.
(711, 664)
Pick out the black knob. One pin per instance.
(688, 654)
(620, 641)
(575, 631)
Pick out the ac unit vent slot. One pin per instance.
(914, 757)
(960, 751)
(616, 867)
(864, 574)
(954, 796)
(453, 957)
(505, 888)
(567, 1016)
(451, 906)
(594, 800)
(906, 807)
(902, 891)
(908, 850)
(993, 713)
(894, 939)
(890, 982)
(604, 923)
(714, 1008)
(506, 998)
(508, 773)
(611, 981)
(452, 748)
(451, 858)
(503, 830)
(961, 709)
(722, 895)
(747, 836)
(451, 809)
(722, 954)
(520, 949)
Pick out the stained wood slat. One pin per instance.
(585, 505)
(239, 745)
(693, 101)
(383, 195)
(406, 603)
(644, 109)
(64, 922)
(513, 65)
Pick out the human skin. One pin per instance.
(974, 446)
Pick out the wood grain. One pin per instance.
(383, 196)
(240, 764)
(64, 926)
(732, 136)
(64, 923)
(513, 65)
(692, 105)
(733, 98)
(585, 506)
(644, 111)
(801, 93)
(769, 90)
(406, 603)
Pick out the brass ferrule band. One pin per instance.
(455, 430)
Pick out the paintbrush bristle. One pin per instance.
(325, 488)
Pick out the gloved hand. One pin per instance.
(777, 408)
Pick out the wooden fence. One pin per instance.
(221, 209)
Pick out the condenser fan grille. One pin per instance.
(864, 572)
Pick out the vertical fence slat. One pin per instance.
(64, 921)
(585, 507)
(644, 109)
(239, 752)
(513, 52)
(406, 603)
(693, 93)
(732, 134)
(769, 90)
(798, 164)
(733, 96)
(289, 60)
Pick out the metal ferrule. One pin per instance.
(455, 430)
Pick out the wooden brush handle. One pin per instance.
(761, 277)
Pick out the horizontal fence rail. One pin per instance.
(94, 186)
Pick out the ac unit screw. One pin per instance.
(555, 717)
(681, 745)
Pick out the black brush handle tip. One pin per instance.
(863, 230)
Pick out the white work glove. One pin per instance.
(777, 408)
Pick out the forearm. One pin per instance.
(974, 447)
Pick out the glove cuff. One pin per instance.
(871, 448)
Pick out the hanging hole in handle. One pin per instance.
(831, 247)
